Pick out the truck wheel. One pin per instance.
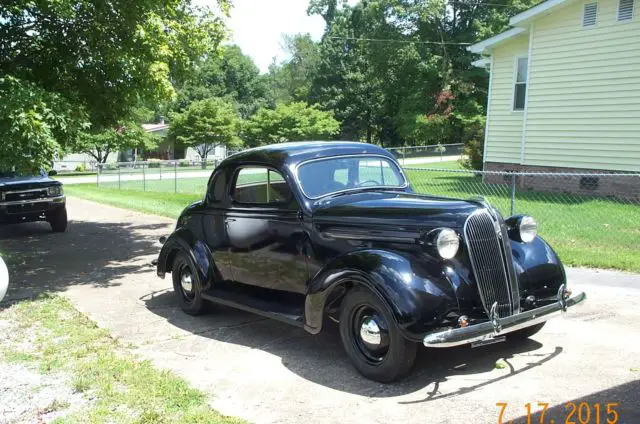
(58, 220)
(372, 339)
(525, 333)
(187, 285)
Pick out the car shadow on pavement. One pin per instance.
(321, 358)
(96, 253)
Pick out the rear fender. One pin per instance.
(418, 296)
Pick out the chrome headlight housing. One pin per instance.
(443, 241)
(522, 228)
(55, 191)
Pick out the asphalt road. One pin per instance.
(268, 372)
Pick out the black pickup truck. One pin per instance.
(28, 198)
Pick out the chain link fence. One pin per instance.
(177, 176)
(589, 218)
(415, 155)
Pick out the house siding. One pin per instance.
(504, 129)
(584, 91)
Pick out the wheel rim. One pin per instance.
(370, 334)
(186, 283)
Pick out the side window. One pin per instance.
(259, 185)
(520, 88)
(216, 189)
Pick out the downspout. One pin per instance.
(486, 124)
(526, 97)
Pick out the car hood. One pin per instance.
(26, 182)
(405, 210)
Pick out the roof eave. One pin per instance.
(524, 18)
(486, 45)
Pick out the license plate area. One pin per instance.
(488, 341)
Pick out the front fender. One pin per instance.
(184, 240)
(538, 268)
(417, 290)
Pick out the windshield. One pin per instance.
(319, 178)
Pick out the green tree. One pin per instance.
(206, 124)
(104, 58)
(233, 75)
(127, 136)
(292, 79)
(34, 124)
(290, 122)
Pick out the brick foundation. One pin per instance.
(622, 186)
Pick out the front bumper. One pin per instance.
(496, 327)
(16, 211)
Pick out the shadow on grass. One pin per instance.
(321, 358)
(95, 253)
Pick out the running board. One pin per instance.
(282, 306)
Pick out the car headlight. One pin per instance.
(522, 228)
(55, 191)
(443, 241)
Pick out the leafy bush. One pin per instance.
(473, 151)
(81, 168)
(183, 163)
(153, 163)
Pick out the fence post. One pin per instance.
(175, 176)
(404, 155)
(98, 176)
(144, 179)
(513, 193)
(118, 165)
(160, 169)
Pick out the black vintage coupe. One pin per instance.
(28, 198)
(301, 232)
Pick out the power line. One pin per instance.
(381, 40)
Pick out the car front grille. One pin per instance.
(27, 208)
(25, 195)
(484, 238)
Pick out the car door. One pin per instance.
(214, 230)
(265, 231)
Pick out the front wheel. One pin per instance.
(372, 339)
(58, 220)
(187, 285)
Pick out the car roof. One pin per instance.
(293, 153)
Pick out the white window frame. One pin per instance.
(633, 12)
(595, 24)
(515, 81)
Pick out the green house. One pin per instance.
(564, 88)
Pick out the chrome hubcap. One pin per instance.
(370, 332)
(186, 282)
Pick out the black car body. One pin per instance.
(304, 231)
(32, 198)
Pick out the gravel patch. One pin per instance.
(26, 396)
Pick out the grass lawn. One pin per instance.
(48, 335)
(585, 231)
(157, 203)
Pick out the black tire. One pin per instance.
(58, 220)
(190, 301)
(525, 333)
(394, 354)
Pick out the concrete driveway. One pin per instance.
(268, 372)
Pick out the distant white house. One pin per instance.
(165, 150)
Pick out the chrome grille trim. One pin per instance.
(483, 235)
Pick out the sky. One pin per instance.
(258, 25)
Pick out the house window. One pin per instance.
(590, 14)
(520, 88)
(625, 10)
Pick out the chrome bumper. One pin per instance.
(496, 327)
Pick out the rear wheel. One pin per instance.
(187, 285)
(372, 339)
(58, 220)
(525, 333)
